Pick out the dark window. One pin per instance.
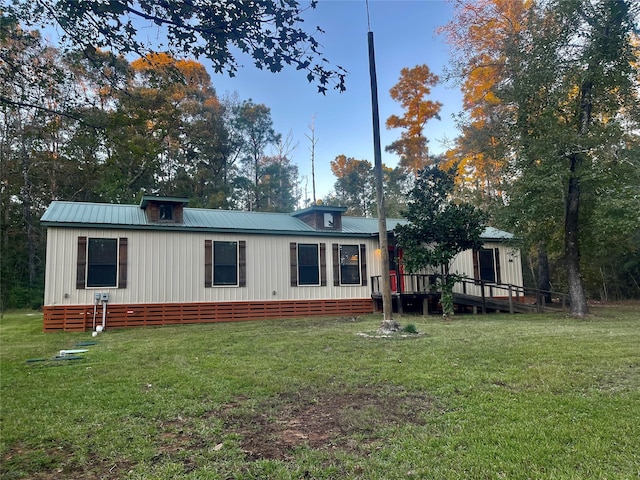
(165, 212)
(308, 265)
(225, 263)
(102, 262)
(487, 265)
(350, 264)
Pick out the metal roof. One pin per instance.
(107, 215)
(362, 224)
(491, 233)
(155, 198)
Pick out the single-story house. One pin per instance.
(161, 262)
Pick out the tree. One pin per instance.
(29, 147)
(277, 191)
(478, 32)
(278, 188)
(189, 126)
(567, 84)
(411, 92)
(439, 228)
(265, 30)
(254, 132)
(354, 185)
(397, 184)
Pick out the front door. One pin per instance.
(396, 270)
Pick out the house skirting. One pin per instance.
(79, 318)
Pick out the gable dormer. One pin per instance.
(163, 209)
(322, 217)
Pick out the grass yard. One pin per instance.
(479, 397)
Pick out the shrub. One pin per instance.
(410, 328)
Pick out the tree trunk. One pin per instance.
(578, 298)
(27, 217)
(544, 276)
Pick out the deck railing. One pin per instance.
(424, 284)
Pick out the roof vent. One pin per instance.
(164, 209)
(322, 217)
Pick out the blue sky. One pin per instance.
(404, 37)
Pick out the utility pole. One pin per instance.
(388, 324)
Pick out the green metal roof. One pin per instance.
(106, 215)
(155, 198)
(491, 233)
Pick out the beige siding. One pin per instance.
(510, 267)
(169, 267)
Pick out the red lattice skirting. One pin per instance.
(78, 318)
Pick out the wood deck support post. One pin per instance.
(510, 300)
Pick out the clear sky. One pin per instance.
(404, 36)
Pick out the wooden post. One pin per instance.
(387, 307)
(400, 291)
(510, 300)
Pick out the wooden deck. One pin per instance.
(418, 294)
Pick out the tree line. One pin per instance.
(550, 136)
(93, 126)
(96, 127)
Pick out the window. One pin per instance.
(165, 212)
(328, 220)
(486, 265)
(349, 265)
(225, 263)
(101, 262)
(308, 264)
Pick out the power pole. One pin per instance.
(388, 324)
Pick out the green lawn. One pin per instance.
(478, 397)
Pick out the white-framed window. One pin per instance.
(225, 263)
(308, 264)
(350, 265)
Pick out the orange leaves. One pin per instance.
(478, 87)
(480, 25)
(411, 92)
(193, 73)
(343, 166)
(478, 32)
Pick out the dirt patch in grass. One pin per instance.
(351, 421)
(58, 463)
(355, 421)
